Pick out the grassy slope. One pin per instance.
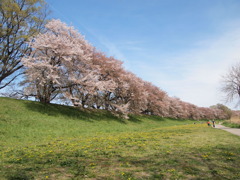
(58, 142)
(24, 121)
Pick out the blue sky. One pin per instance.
(181, 46)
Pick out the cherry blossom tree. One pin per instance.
(110, 74)
(156, 100)
(61, 59)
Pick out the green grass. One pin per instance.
(57, 142)
(231, 124)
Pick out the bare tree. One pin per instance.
(19, 21)
(231, 83)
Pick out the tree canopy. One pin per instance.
(19, 21)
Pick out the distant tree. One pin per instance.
(193, 112)
(236, 113)
(137, 94)
(231, 83)
(110, 71)
(19, 21)
(225, 109)
(156, 100)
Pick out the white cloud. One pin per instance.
(197, 74)
(112, 48)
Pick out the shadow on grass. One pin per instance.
(156, 118)
(75, 113)
(90, 115)
(139, 118)
(134, 119)
(19, 174)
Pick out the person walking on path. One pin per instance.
(213, 123)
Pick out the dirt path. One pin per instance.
(235, 131)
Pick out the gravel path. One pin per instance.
(235, 131)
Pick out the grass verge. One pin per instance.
(234, 122)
